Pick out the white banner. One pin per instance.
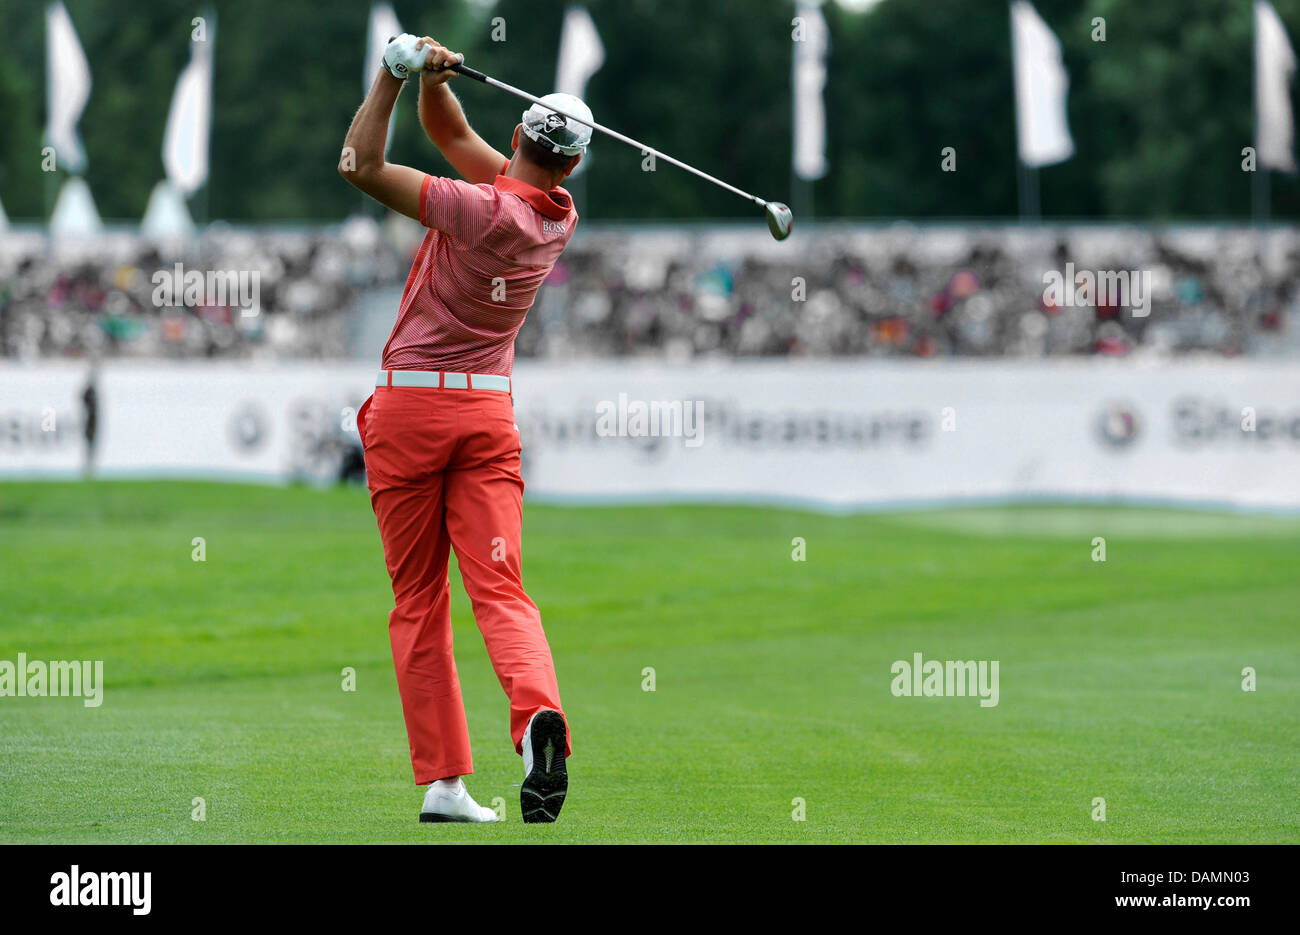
(834, 433)
(218, 421)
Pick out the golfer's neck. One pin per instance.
(527, 172)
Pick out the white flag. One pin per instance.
(1274, 67)
(581, 53)
(809, 83)
(1041, 88)
(383, 27)
(67, 85)
(185, 141)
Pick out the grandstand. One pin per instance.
(699, 291)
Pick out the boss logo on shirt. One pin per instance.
(552, 227)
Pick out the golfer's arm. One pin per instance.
(362, 161)
(444, 121)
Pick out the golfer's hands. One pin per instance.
(404, 57)
(437, 62)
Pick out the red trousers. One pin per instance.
(443, 471)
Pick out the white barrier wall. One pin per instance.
(842, 433)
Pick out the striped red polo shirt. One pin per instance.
(487, 250)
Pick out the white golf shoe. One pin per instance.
(546, 779)
(451, 801)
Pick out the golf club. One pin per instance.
(780, 220)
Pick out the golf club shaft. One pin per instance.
(468, 72)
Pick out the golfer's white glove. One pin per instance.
(402, 58)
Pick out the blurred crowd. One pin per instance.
(680, 293)
(910, 291)
(102, 298)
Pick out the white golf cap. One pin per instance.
(556, 132)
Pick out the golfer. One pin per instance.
(441, 446)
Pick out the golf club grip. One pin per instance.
(463, 69)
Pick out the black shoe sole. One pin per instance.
(544, 788)
(430, 816)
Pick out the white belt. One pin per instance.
(434, 379)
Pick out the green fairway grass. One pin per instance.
(1119, 680)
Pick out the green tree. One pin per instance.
(1159, 111)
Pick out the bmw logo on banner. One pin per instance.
(247, 427)
(1118, 426)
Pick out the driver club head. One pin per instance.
(779, 219)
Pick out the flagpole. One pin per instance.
(801, 193)
(1022, 181)
(798, 194)
(1027, 192)
(1021, 169)
(211, 39)
(1259, 181)
(1254, 113)
(579, 55)
(577, 188)
(1261, 190)
(803, 188)
(50, 177)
